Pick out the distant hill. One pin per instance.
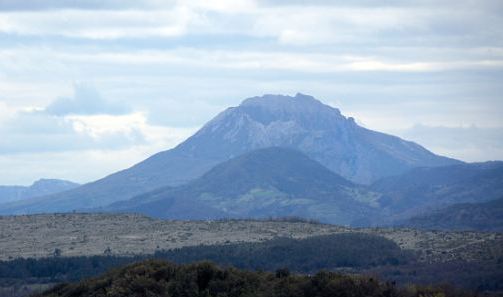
(487, 216)
(423, 190)
(300, 122)
(39, 188)
(271, 182)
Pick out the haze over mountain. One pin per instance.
(38, 188)
(425, 189)
(279, 182)
(486, 216)
(270, 182)
(301, 122)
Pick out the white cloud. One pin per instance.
(222, 6)
(246, 60)
(298, 25)
(81, 123)
(331, 23)
(85, 100)
(98, 126)
(100, 24)
(82, 148)
(39, 132)
(6, 112)
(468, 143)
(178, 63)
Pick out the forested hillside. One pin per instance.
(158, 278)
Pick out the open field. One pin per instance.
(38, 236)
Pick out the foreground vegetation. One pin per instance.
(159, 278)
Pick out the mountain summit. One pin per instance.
(320, 131)
(300, 122)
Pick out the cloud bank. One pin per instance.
(85, 101)
(156, 70)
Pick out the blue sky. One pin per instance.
(91, 87)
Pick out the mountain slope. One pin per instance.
(275, 182)
(299, 122)
(425, 189)
(487, 216)
(38, 188)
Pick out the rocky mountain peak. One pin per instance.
(279, 114)
(298, 104)
(304, 123)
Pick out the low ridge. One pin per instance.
(270, 182)
(38, 188)
(486, 216)
(422, 190)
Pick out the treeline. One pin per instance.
(351, 252)
(58, 269)
(158, 278)
(308, 255)
(354, 250)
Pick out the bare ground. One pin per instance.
(38, 236)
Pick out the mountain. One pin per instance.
(270, 182)
(487, 216)
(38, 188)
(425, 189)
(320, 131)
(301, 122)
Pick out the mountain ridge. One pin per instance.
(423, 190)
(43, 186)
(484, 216)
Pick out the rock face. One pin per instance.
(300, 122)
(38, 188)
(270, 182)
(318, 130)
